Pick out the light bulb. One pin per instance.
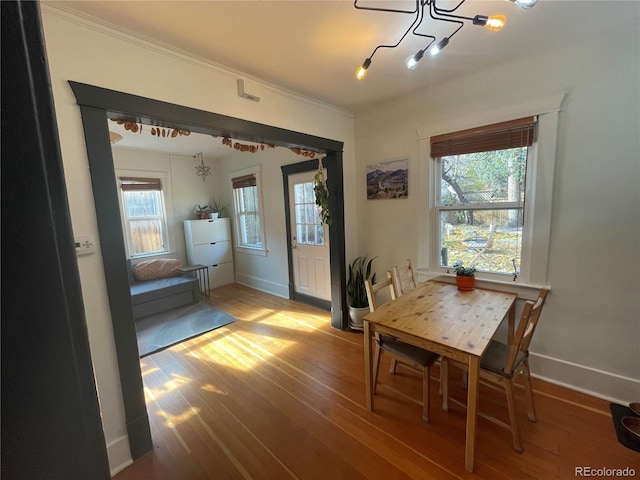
(525, 3)
(412, 61)
(361, 72)
(496, 22)
(436, 49)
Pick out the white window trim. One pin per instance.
(536, 233)
(168, 210)
(261, 251)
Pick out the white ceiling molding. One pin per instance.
(505, 113)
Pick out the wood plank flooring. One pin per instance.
(279, 394)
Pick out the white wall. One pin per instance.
(88, 53)
(589, 336)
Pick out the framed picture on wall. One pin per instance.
(388, 179)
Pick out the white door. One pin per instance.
(310, 239)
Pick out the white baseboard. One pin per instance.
(598, 383)
(266, 286)
(119, 455)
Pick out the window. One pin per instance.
(144, 216)
(248, 211)
(309, 226)
(480, 195)
(535, 206)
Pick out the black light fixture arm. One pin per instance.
(450, 10)
(391, 10)
(459, 22)
(416, 22)
(423, 3)
(446, 14)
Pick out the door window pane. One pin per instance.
(309, 228)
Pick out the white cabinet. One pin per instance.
(209, 243)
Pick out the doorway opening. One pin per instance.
(97, 105)
(309, 239)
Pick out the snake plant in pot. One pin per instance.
(359, 271)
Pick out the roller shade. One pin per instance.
(244, 181)
(499, 136)
(135, 184)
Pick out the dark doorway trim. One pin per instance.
(97, 105)
(333, 163)
(51, 426)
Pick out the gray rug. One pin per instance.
(160, 331)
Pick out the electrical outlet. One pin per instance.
(85, 245)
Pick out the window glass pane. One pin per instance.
(302, 237)
(309, 195)
(298, 193)
(311, 234)
(491, 240)
(144, 215)
(251, 233)
(248, 216)
(319, 234)
(146, 236)
(309, 213)
(143, 203)
(484, 177)
(309, 227)
(486, 237)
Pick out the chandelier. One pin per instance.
(429, 9)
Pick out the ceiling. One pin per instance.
(313, 48)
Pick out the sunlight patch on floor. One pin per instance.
(169, 386)
(148, 371)
(213, 389)
(151, 398)
(288, 319)
(229, 352)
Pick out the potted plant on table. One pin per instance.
(216, 208)
(202, 211)
(465, 276)
(359, 271)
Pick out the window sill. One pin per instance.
(523, 290)
(261, 252)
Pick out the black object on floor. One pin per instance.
(624, 437)
(160, 331)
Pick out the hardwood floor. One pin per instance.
(279, 394)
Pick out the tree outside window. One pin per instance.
(480, 192)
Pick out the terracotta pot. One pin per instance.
(465, 283)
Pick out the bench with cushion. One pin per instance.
(157, 286)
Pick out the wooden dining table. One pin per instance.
(456, 324)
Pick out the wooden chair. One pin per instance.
(404, 281)
(397, 350)
(403, 278)
(480, 245)
(501, 365)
